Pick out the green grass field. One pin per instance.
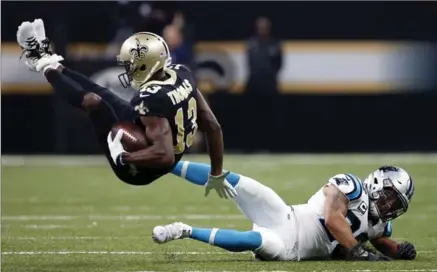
(59, 215)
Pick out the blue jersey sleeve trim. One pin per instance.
(357, 191)
(387, 230)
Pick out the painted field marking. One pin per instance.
(117, 253)
(138, 253)
(120, 217)
(253, 160)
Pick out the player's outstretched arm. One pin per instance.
(393, 249)
(335, 209)
(160, 153)
(214, 137)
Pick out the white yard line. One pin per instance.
(397, 270)
(49, 227)
(117, 253)
(355, 270)
(76, 226)
(257, 159)
(33, 238)
(140, 253)
(121, 217)
(142, 217)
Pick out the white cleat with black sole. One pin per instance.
(170, 232)
(31, 37)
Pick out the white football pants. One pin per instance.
(271, 216)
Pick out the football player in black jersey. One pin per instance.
(168, 105)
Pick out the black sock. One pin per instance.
(71, 90)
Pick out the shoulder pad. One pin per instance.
(348, 184)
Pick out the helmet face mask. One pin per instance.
(126, 77)
(390, 190)
(390, 204)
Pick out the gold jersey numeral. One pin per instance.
(182, 141)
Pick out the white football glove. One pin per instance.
(116, 147)
(223, 188)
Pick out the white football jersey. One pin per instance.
(317, 241)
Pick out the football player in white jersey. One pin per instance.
(385, 188)
(336, 215)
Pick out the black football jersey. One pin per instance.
(174, 98)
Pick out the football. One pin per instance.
(134, 137)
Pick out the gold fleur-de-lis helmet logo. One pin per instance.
(139, 51)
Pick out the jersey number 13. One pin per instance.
(184, 138)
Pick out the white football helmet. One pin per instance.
(390, 189)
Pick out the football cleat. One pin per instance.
(36, 47)
(164, 234)
(40, 32)
(26, 38)
(38, 25)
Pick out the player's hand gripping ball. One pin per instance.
(134, 137)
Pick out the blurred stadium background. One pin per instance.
(282, 77)
(349, 72)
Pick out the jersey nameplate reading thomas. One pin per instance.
(181, 93)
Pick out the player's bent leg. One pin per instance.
(260, 203)
(71, 90)
(122, 108)
(81, 79)
(100, 111)
(265, 244)
(101, 114)
(197, 173)
(231, 240)
(133, 175)
(272, 247)
(256, 201)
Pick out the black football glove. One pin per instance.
(377, 257)
(359, 253)
(406, 251)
